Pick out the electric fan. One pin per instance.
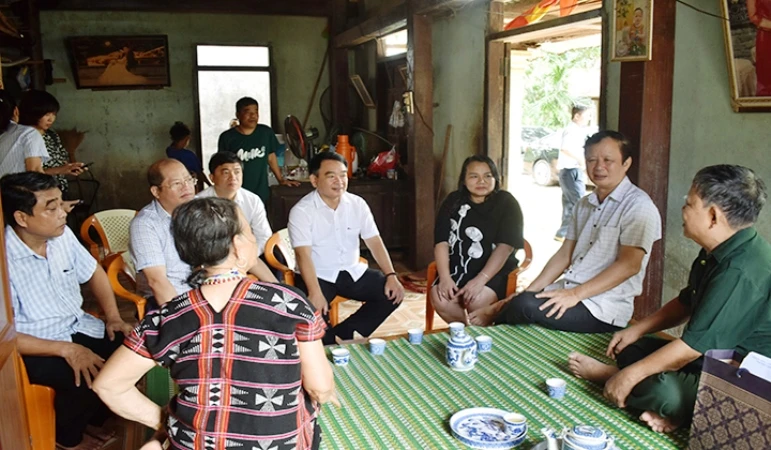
(297, 140)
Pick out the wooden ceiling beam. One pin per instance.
(390, 17)
(315, 8)
(373, 27)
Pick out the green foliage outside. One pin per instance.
(547, 100)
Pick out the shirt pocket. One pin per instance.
(70, 286)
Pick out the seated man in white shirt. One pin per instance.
(589, 285)
(61, 345)
(226, 172)
(325, 227)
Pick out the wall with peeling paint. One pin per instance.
(705, 131)
(459, 84)
(128, 129)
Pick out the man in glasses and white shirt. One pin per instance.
(161, 275)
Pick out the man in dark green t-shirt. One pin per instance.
(256, 146)
(727, 304)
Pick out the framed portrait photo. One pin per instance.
(747, 35)
(361, 89)
(631, 34)
(119, 62)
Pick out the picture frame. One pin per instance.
(119, 62)
(403, 73)
(631, 33)
(750, 78)
(361, 89)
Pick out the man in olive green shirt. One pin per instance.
(727, 304)
(255, 146)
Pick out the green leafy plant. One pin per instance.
(547, 98)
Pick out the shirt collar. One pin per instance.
(728, 246)
(16, 248)
(239, 198)
(617, 194)
(162, 213)
(318, 202)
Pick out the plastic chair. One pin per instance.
(39, 402)
(122, 264)
(511, 283)
(112, 227)
(280, 241)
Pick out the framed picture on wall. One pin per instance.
(631, 35)
(119, 62)
(358, 83)
(747, 35)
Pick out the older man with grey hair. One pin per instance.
(726, 304)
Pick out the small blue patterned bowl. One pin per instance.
(341, 356)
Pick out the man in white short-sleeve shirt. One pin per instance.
(226, 172)
(601, 264)
(570, 164)
(325, 227)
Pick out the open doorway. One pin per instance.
(551, 70)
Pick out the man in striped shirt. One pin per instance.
(62, 346)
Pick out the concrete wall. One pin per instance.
(705, 131)
(128, 130)
(459, 80)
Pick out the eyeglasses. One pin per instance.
(180, 184)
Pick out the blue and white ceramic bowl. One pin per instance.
(484, 428)
(556, 387)
(484, 343)
(515, 423)
(377, 346)
(415, 335)
(341, 356)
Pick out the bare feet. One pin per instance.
(88, 443)
(589, 368)
(658, 423)
(485, 316)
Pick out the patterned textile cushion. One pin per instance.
(733, 411)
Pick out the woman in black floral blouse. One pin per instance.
(477, 229)
(38, 109)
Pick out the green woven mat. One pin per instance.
(404, 398)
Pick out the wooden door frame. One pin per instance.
(645, 118)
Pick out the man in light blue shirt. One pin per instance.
(62, 346)
(161, 275)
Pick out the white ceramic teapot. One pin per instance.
(579, 437)
(461, 348)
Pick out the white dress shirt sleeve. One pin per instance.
(258, 221)
(299, 227)
(367, 221)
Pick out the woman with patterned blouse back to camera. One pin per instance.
(246, 355)
(477, 229)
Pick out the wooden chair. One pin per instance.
(511, 283)
(39, 402)
(112, 227)
(280, 241)
(122, 264)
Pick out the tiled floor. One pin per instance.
(410, 314)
